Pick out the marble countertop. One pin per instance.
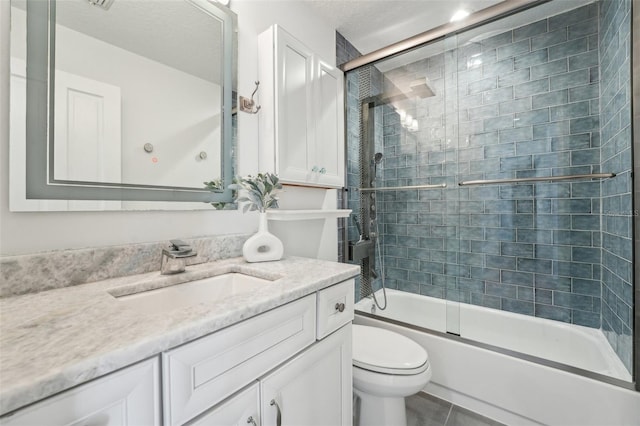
(53, 340)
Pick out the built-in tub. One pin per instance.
(519, 385)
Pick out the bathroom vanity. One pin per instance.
(274, 355)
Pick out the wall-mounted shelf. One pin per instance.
(278, 214)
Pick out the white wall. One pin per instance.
(34, 232)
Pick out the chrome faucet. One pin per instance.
(174, 257)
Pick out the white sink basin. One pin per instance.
(193, 292)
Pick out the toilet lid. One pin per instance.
(384, 351)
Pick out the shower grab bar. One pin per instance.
(398, 188)
(537, 179)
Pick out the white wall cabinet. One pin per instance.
(302, 116)
(128, 397)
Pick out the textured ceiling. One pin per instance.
(373, 24)
(166, 31)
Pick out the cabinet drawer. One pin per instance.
(202, 373)
(128, 397)
(239, 409)
(335, 307)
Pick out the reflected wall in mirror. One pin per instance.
(140, 102)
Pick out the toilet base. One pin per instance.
(381, 411)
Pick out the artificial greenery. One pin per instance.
(216, 185)
(259, 192)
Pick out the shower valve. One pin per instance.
(360, 250)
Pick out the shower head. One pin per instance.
(421, 88)
(377, 158)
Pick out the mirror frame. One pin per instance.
(40, 183)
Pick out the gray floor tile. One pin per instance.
(462, 417)
(426, 410)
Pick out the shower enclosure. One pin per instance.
(492, 167)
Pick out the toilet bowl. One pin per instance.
(387, 367)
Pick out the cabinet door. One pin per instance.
(127, 397)
(313, 388)
(294, 110)
(202, 373)
(241, 409)
(329, 113)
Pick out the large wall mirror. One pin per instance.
(122, 104)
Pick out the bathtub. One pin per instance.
(514, 368)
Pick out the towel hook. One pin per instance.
(247, 105)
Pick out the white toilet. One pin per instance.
(387, 367)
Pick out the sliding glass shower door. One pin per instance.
(502, 158)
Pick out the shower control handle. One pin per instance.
(252, 421)
(340, 307)
(278, 412)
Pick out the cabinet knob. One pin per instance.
(340, 307)
(252, 421)
(314, 169)
(323, 171)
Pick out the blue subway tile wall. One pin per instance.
(547, 99)
(345, 52)
(354, 92)
(522, 100)
(348, 197)
(615, 129)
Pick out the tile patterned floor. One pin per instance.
(427, 410)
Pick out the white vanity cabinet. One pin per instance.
(241, 409)
(297, 355)
(130, 396)
(200, 374)
(308, 387)
(314, 388)
(302, 116)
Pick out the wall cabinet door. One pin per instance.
(314, 388)
(302, 122)
(128, 397)
(294, 74)
(328, 155)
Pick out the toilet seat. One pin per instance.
(383, 351)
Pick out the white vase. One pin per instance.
(263, 246)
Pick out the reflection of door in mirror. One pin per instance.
(87, 142)
(18, 148)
